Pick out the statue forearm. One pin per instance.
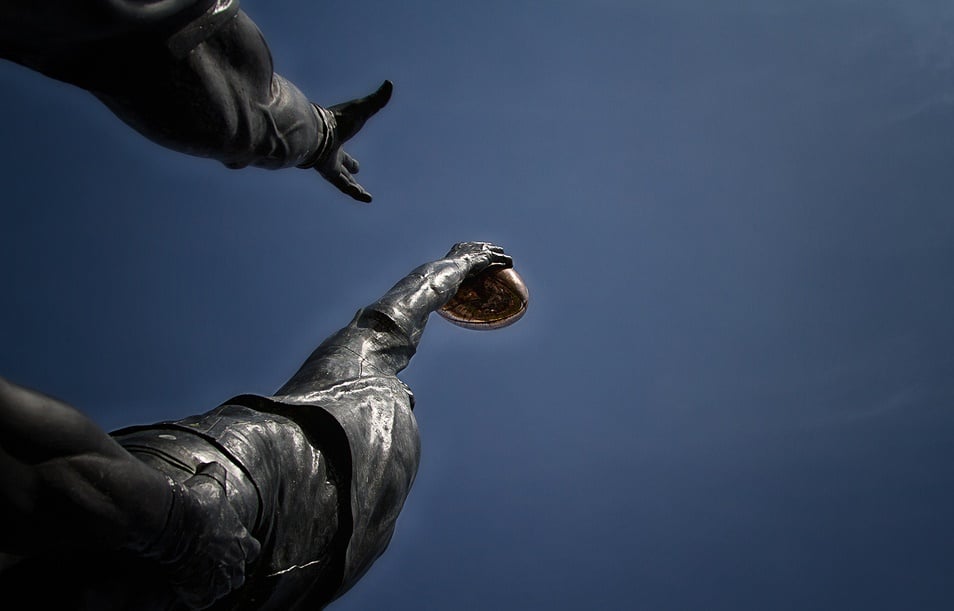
(424, 290)
(384, 335)
(427, 288)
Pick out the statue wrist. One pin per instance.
(326, 144)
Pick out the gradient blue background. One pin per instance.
(733, 387)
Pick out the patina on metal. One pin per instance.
(278, 502)
(195, 76)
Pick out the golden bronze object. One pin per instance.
(490, 300)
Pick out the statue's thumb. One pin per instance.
(383, 95)
(352, 115)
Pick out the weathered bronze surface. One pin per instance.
(192, 75)
(277, 502)
(274, 502)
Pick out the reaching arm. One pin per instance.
(196, 76)
(385, 334)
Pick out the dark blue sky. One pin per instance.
(733, 387)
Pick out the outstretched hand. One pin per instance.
(344, 121)
(478, 256)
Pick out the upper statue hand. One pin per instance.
(478, 256)
(343, 121)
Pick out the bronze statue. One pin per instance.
(193, 75)
(266, 502)
(278, 502)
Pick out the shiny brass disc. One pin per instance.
(490, 300)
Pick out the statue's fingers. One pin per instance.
(369, 104)
(349, 163)
(349, 186)
(498, 260)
